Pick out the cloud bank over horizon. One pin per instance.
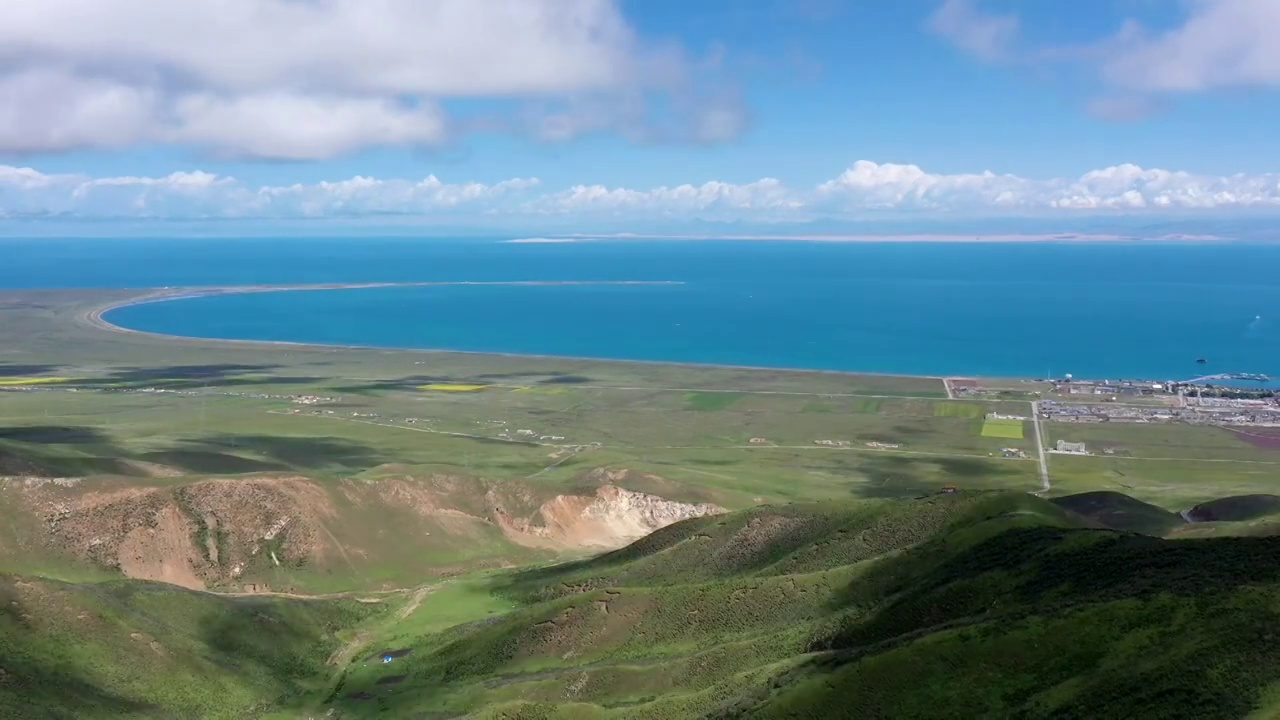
(1214, 44)
(865, 187)
(289, 80)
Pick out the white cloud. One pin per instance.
(306, 78)
(1215, 44)
(1221, 43)
(986, 35)
(764, 195)
(300, 127)
(366, 195)
(866, 187)
(43, 109)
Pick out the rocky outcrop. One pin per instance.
(610, 519)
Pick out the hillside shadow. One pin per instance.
(34, 449)
(188, 372)
(265, 641)
(282, 451)
(1029, 567)
(565, 380)
(205, 462)
(408, 382)
(61, 451)
(412, 382)
(20, 370)
(899, 476)
(54, 434)
(32, 680)
(182, 377)
(541, 378)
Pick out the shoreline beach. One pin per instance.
(898, 238)
(93, 317)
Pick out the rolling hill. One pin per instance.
(948, 606)
(983, 605)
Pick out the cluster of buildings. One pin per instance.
(1114, 388)
(311, 399)
(1224, 412)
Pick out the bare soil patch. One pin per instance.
(610, 518)
(162, 552)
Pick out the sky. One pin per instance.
(608, 115)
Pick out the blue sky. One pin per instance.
(560, 113)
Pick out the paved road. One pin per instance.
(1044, 459)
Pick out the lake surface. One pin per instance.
(1096, 310)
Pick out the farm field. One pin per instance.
(1164, 440)
(1011, 429)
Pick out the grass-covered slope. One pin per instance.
(950, 606)
(1118, 511)
(986, 605)
(1239, 508)
(131, 649)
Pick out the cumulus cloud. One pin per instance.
(1213, 44)
(47, 109)
(865, 187)
(300, 127)
(300, 79)
(1221, 43)
(762, 196)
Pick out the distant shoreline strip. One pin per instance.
(94, 318)
(901, 238)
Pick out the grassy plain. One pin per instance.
(417, 479)
(693, 421)
(226, 411)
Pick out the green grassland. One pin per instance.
(841, 572)
(218, 415)
(1177, 441)
(1011, 429)
(132, 649)
(960, 606)
(958, 409)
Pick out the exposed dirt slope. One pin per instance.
(254, 534)
(610, 519)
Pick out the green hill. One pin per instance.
(1118, 511)
(950, 606)
(131, 649)
(1239, 508)
(985, 605)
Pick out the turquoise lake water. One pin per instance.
(1096, 310)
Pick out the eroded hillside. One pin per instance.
(946, 606)
(272, 532)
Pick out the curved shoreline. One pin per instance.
(93, 317)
